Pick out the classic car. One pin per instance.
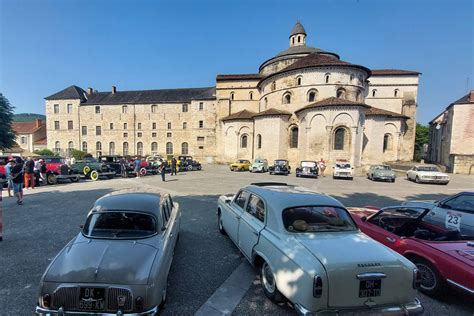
(240, 165)
(114, 163)
(189, 165)
(57, 169)
(259, 165)
(119, 263)
(309, 251)
(92, 168)
(455, 212)
(427, 174)
(343, 169)
(442, 255)
(381, 172)
(280, 166)
(307, 169)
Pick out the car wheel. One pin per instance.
(271, 173)
(190, 168)
(269, 284)
(220, 225)
(86, 170)
(142, 171)
(111, 176)
(393, 180)
(74, 179)
(51, 179)
(431, 281)
(417, 179)
(94, 175)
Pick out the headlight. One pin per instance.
(317, 286)
(46, 300)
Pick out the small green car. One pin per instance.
(381, 172)
(93, 169)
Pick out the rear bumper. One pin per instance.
(53, 312)
(409, 309)
(338, 175)
(306, 174)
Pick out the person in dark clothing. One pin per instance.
(17, 179)
(123, 168)
(173, 166)
(29, 173)
(163, 166)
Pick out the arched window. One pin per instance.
(243, 141)
(326, 78)
(84, 146)
(387, 142)
(287, 98)
(232, 95)
(70, 145)
(298, 81)
(125, 149)
(293, 40)
(312, 94)
(359, 96)
(154, 108)
(339, 138)
(140, 148)
(299, 38)
(274, 85)
(351, 78)
(251, 95)
(111, 148)
(374, 91)
(98, 146)
(395, 93)
(184, 148)
(294, 137)
(154, 147)
(266, 103)
(124, 109)
(259, 141)
(341, 93)
(169, 148)
(57, 145)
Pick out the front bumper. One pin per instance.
(343, 175)
(439, 181)
(306, 174)
(383, 177)
(59, 312)
(408, 309)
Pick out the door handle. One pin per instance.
(390, 239)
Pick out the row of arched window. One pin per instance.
(396, 93)
(232, 95)
(327, 79)
(125, 146)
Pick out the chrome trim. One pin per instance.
(371, 276)
(462, 287)
(60, 312)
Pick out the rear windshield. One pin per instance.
(382, 168)
(343, 165)
(119, 224)
(306, 219)
(428, 169)
(281, 162)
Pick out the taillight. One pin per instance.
(46, 300)
(416, 278)
(317, 286)
(139, 303)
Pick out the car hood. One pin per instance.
(456, 249)
(257, 164)
(384, 172)
(103, 261)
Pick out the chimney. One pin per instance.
(89, 90)
(95, 91)
(114, 89)
(38, 122)
(471, 96)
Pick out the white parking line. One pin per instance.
(226, 298)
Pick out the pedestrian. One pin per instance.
(8, 172)
(123, 168)
(163, 170)
(36, 171)
(137, 164)
(29, 173)
(322, 167)
(173, 166)
(43, 171)
(17, 178)
(1, 209)
(73, 160)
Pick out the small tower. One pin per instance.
(298, 35)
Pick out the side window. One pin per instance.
(242, 196)
(461, 203)
(256, 207)
(165, 212)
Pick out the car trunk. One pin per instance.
(357, 267)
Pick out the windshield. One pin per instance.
(281, 162)
(382, 168)
(244, 161)
(343, 165)
(258, 161)
(306, 219)
(433, 168)
(310, 164)
(119, 224)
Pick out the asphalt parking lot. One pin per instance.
(51, 215)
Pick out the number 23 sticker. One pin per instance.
(453, 221)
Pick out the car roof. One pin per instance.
(130, 201)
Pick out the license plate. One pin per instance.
(370, 288)
(92, 298)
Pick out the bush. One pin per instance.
(45, 152)
(78, 154)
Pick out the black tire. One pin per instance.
(269, 286)
(432, 282)
(51, 179)
(219, 224)
(75, 179)
(417, 179)
(393, 181)
(190, 168)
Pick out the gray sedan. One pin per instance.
(119, 263)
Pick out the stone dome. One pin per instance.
(298, 29)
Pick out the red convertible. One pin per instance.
(442, 256)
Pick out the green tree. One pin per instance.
(78, 154)
(7, 135)
(421, 138)
(45, 152)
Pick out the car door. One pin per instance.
(375, 231)
(167, 234)
(455, 213)
(251, 224)
(232, 213)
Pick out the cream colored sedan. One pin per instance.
(310, 252)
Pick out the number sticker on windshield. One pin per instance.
(453, 221)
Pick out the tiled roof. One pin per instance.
(25, 127)
(242, 115)
(468, 98)
(151, 96)
(272, 112)
(239, 77)
(42, 141)
(72, 92)
(379, 112)
(333, 101)
(393, 72)
(298, 29)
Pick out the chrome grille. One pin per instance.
(117, 294)
(66, 297)
(64, 170)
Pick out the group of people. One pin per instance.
(137, 165)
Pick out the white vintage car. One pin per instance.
(343, 169)
(309, 251)
(427, 174)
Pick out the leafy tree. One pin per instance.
(7, 135)
(45, 152)
(421, 139)
(78, 154)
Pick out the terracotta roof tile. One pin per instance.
(379, 112)
(42, 141)
(333, 101)
(393, 72)
(25, 127)
(242, 115)
(272, 112)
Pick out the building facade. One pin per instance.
(303, 104)
(451, 138)
(30, 136)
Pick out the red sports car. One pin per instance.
(443, 256)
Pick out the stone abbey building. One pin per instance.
(303, 104)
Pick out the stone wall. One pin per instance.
(462, 164)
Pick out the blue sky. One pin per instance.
(48, 45)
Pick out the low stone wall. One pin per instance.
(461, 164)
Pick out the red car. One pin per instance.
(56, 168)
(443, 256)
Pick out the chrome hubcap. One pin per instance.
(428, 277)
(267, 278)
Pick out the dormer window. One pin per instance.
(374, 92)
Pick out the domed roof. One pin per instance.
(298, 29)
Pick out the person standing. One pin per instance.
(173, 166)
(8, 173)
(163, 170)
(137, 163)
(43, 171)
(17, 178)
(36, 171)
(29, 173)
(322, 166)
(123, 167)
